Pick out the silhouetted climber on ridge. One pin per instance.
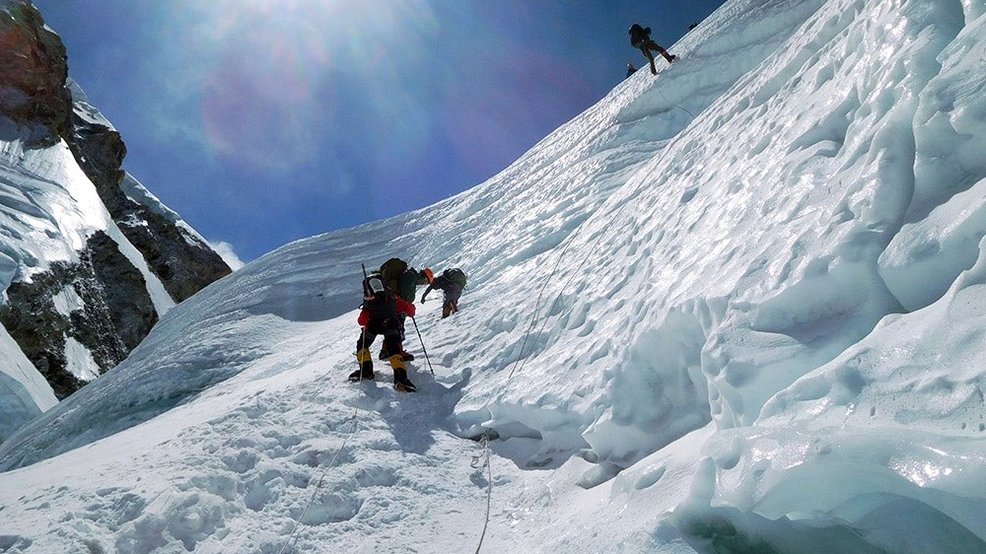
(640, 39)
(631, 69)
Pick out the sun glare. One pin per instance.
(269, 71)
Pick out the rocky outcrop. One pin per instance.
(183, 262)
(101, 302)
(33, 70)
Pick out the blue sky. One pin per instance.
(262, 122)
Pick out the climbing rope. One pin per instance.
(485, 443)
(321, 478)
(680, 107)
(537, 302)
(561, 256)
(537, 307)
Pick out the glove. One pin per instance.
(423, 298)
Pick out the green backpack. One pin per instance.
(407, 285)
(456, 275)
(391, 270)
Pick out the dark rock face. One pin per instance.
(116, 312)
(184, 263)
(180, 259)
(33, 70)
(99, 151)
(124, 291)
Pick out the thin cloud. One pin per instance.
(225, 251)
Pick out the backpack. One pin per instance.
(407, 285)
(373, 285)
(378, 301)
(455, 275)
(638, 35)
(391, 270)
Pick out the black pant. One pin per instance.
(391, 336)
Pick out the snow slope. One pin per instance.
(737, 307)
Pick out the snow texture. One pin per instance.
(738, 307)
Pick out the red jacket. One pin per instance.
(403, 306)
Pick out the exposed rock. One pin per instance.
(33, 70)
(100, 150)
(184, 263)
(116, 312)
(125, 291)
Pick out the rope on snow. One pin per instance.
(537, 306)
(485, 443)
(321, 478)
(561, 256)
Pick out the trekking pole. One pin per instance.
(362, 333)
(423, 349)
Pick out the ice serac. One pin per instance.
(87, 268)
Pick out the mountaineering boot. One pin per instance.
(401, 382)
(365, 371)
(407, 356)
(361, 375)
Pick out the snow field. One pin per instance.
(251, 457)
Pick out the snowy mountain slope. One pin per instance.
(543, 198)
(50, 213)
(46, 211)
(757, 329)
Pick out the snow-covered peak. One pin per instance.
(735, 307)
(86, 264)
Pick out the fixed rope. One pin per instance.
(520, 361)
(537, 303)
(537, 307)
(321, 478)
(485, 443)
(680, 107)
